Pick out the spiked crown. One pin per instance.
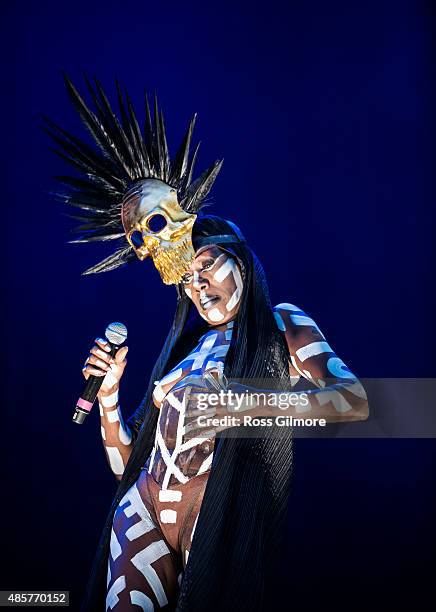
(124, 155)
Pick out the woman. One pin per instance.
(196, 521)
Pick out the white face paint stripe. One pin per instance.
(101, 409)
(195, 282)
(108, 579)
(168, 516)
(112, 597)
(238, 291)
(215, 315)
(224, 270)
(188, 292)
(138, 598)
(312, 349)
(115, 460)
(103, 433)
(143, 560)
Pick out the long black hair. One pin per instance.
(245, 502)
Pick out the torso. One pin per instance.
(177, 454)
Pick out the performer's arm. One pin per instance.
(339, 395)
(116, 435)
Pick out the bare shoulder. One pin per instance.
(296, 324)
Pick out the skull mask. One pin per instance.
(156, 225)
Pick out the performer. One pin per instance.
(196, 520)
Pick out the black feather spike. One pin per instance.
(187, 179)
(166, 169)
(97, 130)
(119, 258)
(137, 137)
(201, 187)
(180, 164)
(124, 155)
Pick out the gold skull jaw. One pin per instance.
(172, 257)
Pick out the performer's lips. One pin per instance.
(206, 301)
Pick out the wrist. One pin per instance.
(109, 399)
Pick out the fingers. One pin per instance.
(102, 355)
(120, 355)
(99, 361)
(103, 344)
(89, 370)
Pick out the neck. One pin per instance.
(222, 326)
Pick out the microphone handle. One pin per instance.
(87, 399)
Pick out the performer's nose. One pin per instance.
(199, 282)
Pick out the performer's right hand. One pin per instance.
(100, 363)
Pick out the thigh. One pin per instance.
(190, 518)
(143, 570)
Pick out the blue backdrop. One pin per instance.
(324, 114)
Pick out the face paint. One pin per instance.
(214, 283)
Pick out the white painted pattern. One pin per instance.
(115, 460)
(138, 598)
(112, 597)
(109, 400)
(168, 495)
(143, 560)
(168, 515)
(312, 349)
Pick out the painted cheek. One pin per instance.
(236, 296)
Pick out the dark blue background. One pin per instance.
(324, 114)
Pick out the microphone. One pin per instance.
(116, 334)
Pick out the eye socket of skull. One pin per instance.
(136, 239)
(156, 223)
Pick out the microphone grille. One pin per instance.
(116, 333)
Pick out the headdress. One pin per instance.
(130, 190)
